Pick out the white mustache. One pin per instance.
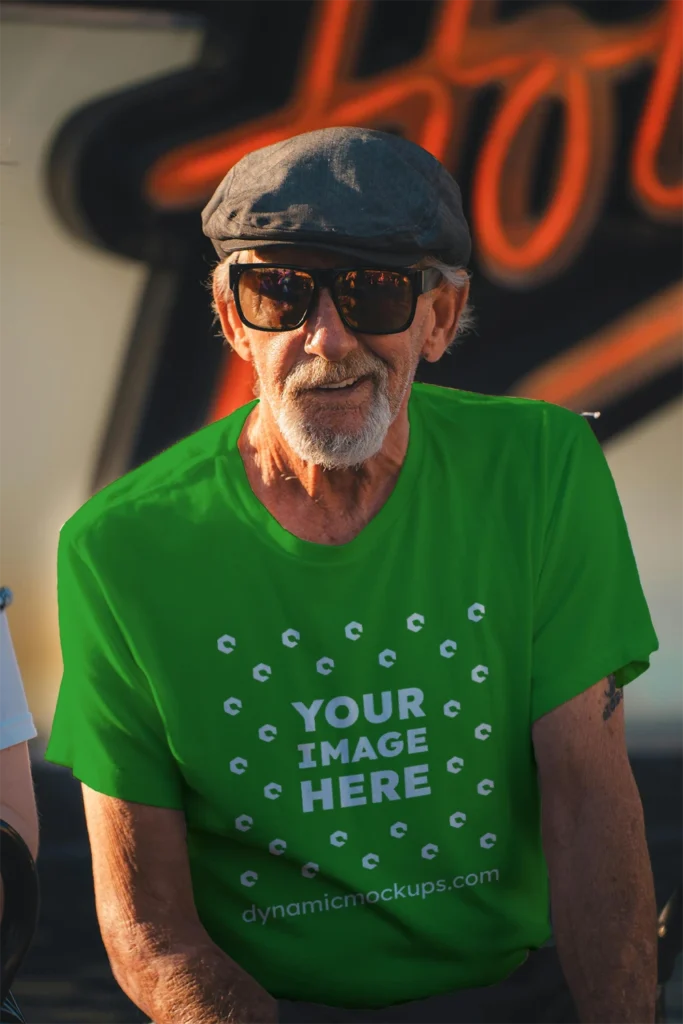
(303, 379)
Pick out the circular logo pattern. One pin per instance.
(324, 666)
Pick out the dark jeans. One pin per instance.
(536, 993)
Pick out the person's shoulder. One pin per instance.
(476, 408)
(174, 479)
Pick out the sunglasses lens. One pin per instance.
(274, 298)
(375, 301)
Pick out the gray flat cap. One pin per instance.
(367, 194)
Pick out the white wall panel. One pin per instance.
(65, 313)
(647, 465)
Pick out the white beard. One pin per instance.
(335, 450)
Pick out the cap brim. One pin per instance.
(365, 256)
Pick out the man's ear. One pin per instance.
(231, 325)
(447, 307)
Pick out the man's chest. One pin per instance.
(341, 690)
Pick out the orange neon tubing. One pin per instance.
(181, 172)
(438, 122)
(554, 226)
(655, 117)
(450, 30)
(643, 41)
(327, 51)
(191, 171)
(482, 74)
(587, 364)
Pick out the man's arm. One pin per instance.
(17, 798)
(160, 953)
(601, 887)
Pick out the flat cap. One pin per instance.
(364, 193)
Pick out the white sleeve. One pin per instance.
(16, 721)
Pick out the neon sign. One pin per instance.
(549, 53)
(110, 190)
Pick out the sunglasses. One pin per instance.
(275, 297)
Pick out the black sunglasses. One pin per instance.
(277, 297)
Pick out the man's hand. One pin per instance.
(601, 888)
(160, 953)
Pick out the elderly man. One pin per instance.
(343, 671)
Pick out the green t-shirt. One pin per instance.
(348, 728)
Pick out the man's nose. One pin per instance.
(326, 335)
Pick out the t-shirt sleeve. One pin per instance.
(107, 726)
(591, 618)
(16, 721)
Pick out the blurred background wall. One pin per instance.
(87, 384)
(66, 308)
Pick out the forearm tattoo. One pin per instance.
(614, 697)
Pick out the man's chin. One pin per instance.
(335, 460)
(320, 444)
